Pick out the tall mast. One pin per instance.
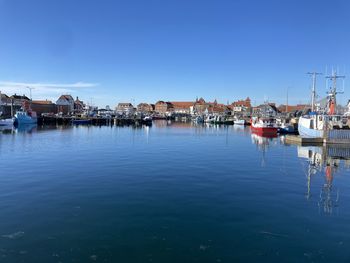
(333, 91)
(30, 92)
(287, 102)
(313, 96)
(30, 103)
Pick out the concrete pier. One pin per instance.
(296, 139)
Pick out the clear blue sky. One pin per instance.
(146, 50)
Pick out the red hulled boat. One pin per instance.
(264, 126)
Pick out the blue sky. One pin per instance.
(138, 50)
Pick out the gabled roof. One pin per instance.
(66, 97)
(19, 97)
(200, 101)
(242, 103)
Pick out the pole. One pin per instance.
(287, 102)
(313, 93)
(333, 93)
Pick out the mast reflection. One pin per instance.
(325, 161)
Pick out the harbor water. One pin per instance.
(172, 192)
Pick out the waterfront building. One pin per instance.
(5, 100)
(65, 104)
(145, 108)
(267, 109)
(125, 108)
(162, 107)
(200, 106)
(241, 106)
(18, 100)
(182, 107)
(293, 108)
(43, 106)
(79, 106)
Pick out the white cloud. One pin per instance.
(47, 85)
(44, 90)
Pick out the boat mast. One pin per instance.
(287, 102)
(313, 96)
(333, 92)
(30, 92)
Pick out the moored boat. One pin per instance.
(6, 122)
(239, 122)
(326, 124)
(285, 126)
(264, 126)
(25, 117)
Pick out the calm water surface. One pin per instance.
(170, 193)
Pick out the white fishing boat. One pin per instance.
(239, 121)
(326, 124)
(209, 119)
(6, 122)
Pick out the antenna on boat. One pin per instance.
(287, 101)
(313, 97)
(333, 90)
(30, 92)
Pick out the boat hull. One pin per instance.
(22, 120)
(239, 122)
(264, 131)
(6, 122)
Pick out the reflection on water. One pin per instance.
(325, 161)
(172, 192)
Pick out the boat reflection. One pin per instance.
(263, 143)
(26, 128)
(324, 161)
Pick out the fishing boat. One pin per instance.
(147, 120)
(239, 121)
(6, 122)
(325, 123)
(285, 126)
(209, 119)
(264, 126)
(25, 117)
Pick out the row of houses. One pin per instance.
(200, 106)
(65, 104)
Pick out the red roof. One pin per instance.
(242, 103)
(182, 104)
(42, 102)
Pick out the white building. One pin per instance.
(125, 109)
(66, 101)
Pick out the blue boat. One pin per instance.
(26, 117)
